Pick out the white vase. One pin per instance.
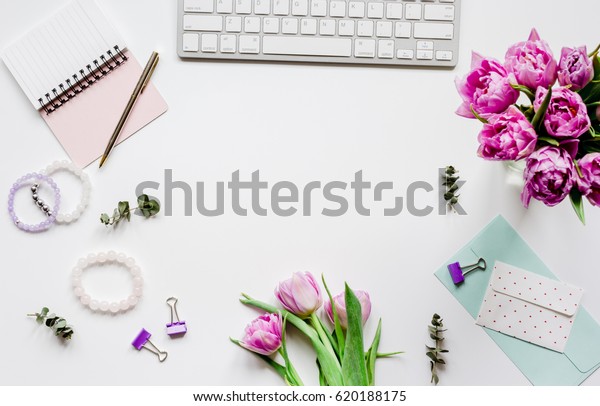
(514, 173)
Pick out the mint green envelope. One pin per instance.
(499, 241)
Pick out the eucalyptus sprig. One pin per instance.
(58, 325)
(148, 207)
(450, 179)
(435, 332)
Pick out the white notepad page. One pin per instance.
(54, 51)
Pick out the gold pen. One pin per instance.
(139, 89)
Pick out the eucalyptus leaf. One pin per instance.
(105, 219)
(61, 323)
(146, 206)
(431, 355)
(435, 333)
(123, 208)
(354, 369)
(58, 325)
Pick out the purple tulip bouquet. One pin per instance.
(557, 133)
(340, 353)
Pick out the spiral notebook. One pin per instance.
(77, 72)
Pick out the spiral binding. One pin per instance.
(80, 81)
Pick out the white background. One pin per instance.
(292, 122)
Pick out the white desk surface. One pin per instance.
(292, 122)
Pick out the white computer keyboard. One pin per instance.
(416, 33)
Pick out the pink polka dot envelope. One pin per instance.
(529, 307)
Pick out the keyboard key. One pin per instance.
(426, 55)
(318, 8)
(309, 46)
(197, 22)
(308, 26)
(356, 9)
(405, 54)
(327, 27)
(434, 31)
(271, 25)
(262, 7)
(198, 6)
(384, 29)
(337, 9)
(243, 6)
(346, 28)
(403, 30)
(364, 48)
(365, 29)
(437, 12)
(375, 10)
(290, 26)
(394, 11)
(281, 7)
(225, 6)
(228, 44)
(233, 24)
(249, 44)
(425, 45)
(385, 49)
(252, 24)
(299, 7)
(443, 55)
(190, 42)
(209, 43)
(413, 12)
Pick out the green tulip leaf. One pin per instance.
(372, 355)
(538, 119)
(577, 202)
(339, 333)
(549, 140)
(477, 116)
(525, 90)
(354, 368)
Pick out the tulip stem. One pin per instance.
(330, 365)
(317, 325)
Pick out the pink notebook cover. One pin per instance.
(85, 123)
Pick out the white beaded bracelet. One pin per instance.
(85, 191)
(110, 257)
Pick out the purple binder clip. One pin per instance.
(142, 340)
(175, 328)
(457, 274)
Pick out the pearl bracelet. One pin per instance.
(85, 185)
(51, 213)
(105, 258)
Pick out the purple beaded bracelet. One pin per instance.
(21, 182)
